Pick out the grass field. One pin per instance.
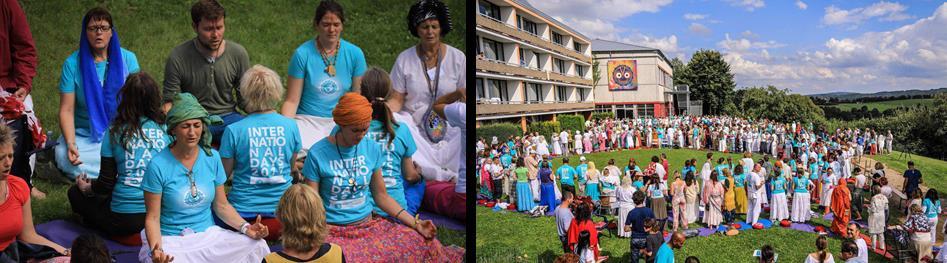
(884, 105)
(514, 237)
(933, 171)
(269, 30)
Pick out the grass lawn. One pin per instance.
(933, 171)
(514, 237)
(269, 30)
(884, 105)
(676, 158)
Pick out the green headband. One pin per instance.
(185, 107)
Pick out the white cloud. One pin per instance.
(909, 57)
(699, 29)
(884, 11)
(749, 34)
(744, 44)
(749, 5)
(801, 5)
(694, 17)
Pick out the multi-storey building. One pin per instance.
(530, 66)
(636, 81)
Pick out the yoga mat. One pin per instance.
(744, 225)
(766, 223)
(829, 216)
(443, 221)
(802, 227)
(63, 232)
(722, 228)
(703, 231)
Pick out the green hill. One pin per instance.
(884, 105)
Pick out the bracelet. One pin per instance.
(244, 227)
(399, 213)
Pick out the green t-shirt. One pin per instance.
(520, 174)
(214, 83)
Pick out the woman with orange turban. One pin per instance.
(344, 167)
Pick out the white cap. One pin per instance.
(582, 158)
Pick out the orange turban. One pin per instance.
(352, 109)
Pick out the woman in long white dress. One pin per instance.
(623, 196)
(800, 200)
(542, 148)
(556, 147)
(578, 143)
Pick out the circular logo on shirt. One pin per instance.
(194, 199)
(329, 86)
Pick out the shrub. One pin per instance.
(544, 128)
(603, 115)
(572, 122)
(501, 130)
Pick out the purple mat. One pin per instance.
(443, 221)
(802, 227)
(703, 231)
(62, 232)
(829, 216)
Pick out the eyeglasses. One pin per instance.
(96, 29)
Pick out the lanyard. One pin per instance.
(437, 74)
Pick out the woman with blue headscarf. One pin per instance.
(90, 81)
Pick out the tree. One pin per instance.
(680, 72)
(711, 82)
(776, 104)
(596, 75)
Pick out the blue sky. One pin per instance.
(805, 46)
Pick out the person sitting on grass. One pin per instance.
(15, 207)
(303, 216)
(666, 253)
(583, 222)
(767, 254)
(849, 252)
(822, 255)
(114, 203)
(855, 235)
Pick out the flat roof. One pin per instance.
(601, 45)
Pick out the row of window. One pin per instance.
(628, 110)
(493, 11)
(494, 88)
(494, 50)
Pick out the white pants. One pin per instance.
(213, 245)
(800, 207)
(753, 212)
(534, 185)
(313, 129)
(439, 161)
(779, 208)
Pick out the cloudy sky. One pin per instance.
(806, 46)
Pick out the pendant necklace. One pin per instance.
(330, 65)
(190, 178)
(352, 173)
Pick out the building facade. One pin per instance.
(635, 81)
(529, 67)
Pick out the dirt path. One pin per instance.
(896, 181)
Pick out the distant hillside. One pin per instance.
(850, 96)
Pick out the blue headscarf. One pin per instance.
(101, 100)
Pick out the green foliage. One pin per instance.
(544, 128)
(500, 130)
(572, 123)
(710, 81)
(775, 104)
(680, 72)
(603, 115)
(596, 74)
(921, 130)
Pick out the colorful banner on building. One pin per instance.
(622, 75)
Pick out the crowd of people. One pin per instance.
(800, 167)
(339, 172)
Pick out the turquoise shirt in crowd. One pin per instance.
(739, 180)
(344, 179)
(931, 209)
(665, 254)
(802, 184)
(262, 148)
(182, 210)
(779, 185)
(70, 81)
(401, 146)
(580, 172)
(506, 160)
(321, 92)
(566, 174)
(131, 162)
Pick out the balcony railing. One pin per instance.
(520, 107)
(509, 30)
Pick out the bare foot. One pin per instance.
(37, 194)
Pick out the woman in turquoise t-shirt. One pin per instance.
(114, 203)
(931, 205)
(320, 71)
(800, 198)
(259, 151)
(739, 189)
(780, 205)
(183, 184)
(345, 168)
(91, 77)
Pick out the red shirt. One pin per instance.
(577, 227)
(11, 210)
(17, 51)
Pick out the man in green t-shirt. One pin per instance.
(208, 66)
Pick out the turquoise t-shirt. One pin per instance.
(739, 179)
(580, 172)
(320, 92)
(779, 185)
(656, 191)
(814, 171)
(688, 169)
(71, 82)
(506, 160)
(344, 179)
(262, 147)
(719, 168)
(931, 208)
(127, 196)
(665, 254)
(401, 146)
(180, 208)
(638, 184)
(802, 184)
(566, 174)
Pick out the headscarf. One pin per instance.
(101, 100)
(185, 107)
(428, 9)
(352, 109)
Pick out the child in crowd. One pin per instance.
(655, 239)
(303, 216)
